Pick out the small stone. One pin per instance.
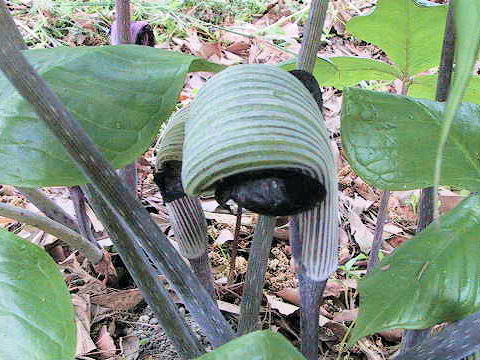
(144, 318)
(153, 321)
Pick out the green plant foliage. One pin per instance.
(467, 42)
(391, 141)
(430, 279)
(35, 306)
(120, 95)
(259, 345)
(343, 71)
(409, 32)
(424, 87)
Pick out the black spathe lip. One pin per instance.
(273, 192)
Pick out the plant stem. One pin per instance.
(122, 23)
(72, 238)
(312, 35)
(311, 292)
(236, 236)
(427, 203)
(257, 266)
(84, 224)
(48, 207)
(201, 268)
(100, 173)
(121, 35)
(16, 36)
(455, 341)
(146, 278)
(378, 237)
(190, 228)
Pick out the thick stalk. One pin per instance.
(146, 278)
(201, 268)
(80, 207)
(101, 174)
(16, 36)
(72, 238)
(122, 23)
(455, 341)
(378, 237)
(312, 35)
(426, 205)
(121, 35)
(311, 291)
(257, 266)
(48, 207)
(190, 228)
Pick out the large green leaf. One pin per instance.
(259, 345)
(391, 141)
(424, 87)
(430, 279)
(120, 94)
(343, 71)
(409, 32)
(36, 312)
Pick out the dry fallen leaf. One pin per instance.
(363, 236)
(283, 307)
(346, 315)
(291, 295)
(394, 335)
(130, 347)
(224, 236)
(81, 305)
(227, 307)
(119, 299)
(105, 343)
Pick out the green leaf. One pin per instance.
(120, 95)
(259, 345)
(35, 308)
(343, 71)
(409, 32)
(424, 87)
(467, 42)
(391, 141)
(428, 280)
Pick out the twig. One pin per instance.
(427, 203)
(48, 207)
(257, 266)
(72, 238)
(79, 205)
(146, 278)
(378, 236)
(135, 219)
(236, 238)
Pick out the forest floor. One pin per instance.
(116, 322)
